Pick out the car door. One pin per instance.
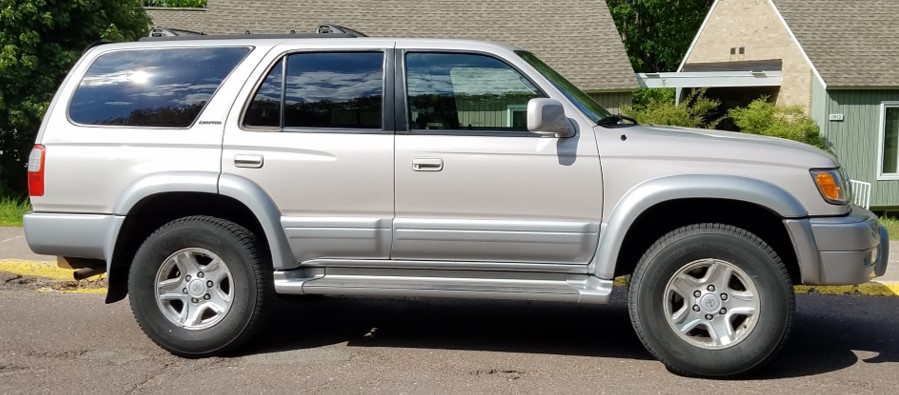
(472, 184)
(313, 136)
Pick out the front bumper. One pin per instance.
(840, 250)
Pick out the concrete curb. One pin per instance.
(49, 270)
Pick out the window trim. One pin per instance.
(881, 176)
(403, 97)
(250, 49)
(386, 105)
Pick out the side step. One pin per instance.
(557, 287)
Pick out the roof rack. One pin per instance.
(322, 31)
(169, 32)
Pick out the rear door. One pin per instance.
(472, 184)
(312, 134)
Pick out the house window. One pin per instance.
(889, 141)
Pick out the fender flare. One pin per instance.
(659, 190)
(241, 189)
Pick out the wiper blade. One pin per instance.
(616, 119)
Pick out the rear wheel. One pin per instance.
(199, 286)
(711, 300)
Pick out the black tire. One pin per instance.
(673, 266)
(243, 285)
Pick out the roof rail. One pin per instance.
(322, 31)
(331, 29)
(170, 32)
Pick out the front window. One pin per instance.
(466, 93)
(889, 142)
(583, 101)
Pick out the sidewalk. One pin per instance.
(14, 247)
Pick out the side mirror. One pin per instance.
(546, 117)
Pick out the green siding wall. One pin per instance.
(855, 140)
(612, 101)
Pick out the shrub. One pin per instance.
(658, 109)
(788, 122)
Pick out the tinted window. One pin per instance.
(321, 90)
(466, 91)
(153, 87)
(265, 109)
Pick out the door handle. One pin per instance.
(252, 161)
(427, 164)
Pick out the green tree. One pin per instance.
(657, 33)
(40, 40)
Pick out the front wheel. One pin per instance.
(199, 286)
(711, 300)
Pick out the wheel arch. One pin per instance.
(155, 200)
(657, 206)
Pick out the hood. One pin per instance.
(705, 145)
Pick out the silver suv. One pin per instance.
(206, 175)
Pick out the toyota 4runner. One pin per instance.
(206, 174)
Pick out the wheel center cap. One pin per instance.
(710, 303)
(196, 288)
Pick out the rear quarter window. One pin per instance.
(152, 87)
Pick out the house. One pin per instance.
(837, 59)
(576, 37)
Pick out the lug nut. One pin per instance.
(184, 291)
(723, 311)
(709, 317)
(209, 284)
(695, 307)
(711, 288)
(195, 300)
(201, 275)
(187, 277)
(207, 297)
(723, 296)
(696, 293)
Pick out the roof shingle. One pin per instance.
(851, 43)
(576, 37)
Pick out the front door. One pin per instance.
(472, 184)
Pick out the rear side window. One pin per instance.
(152, 87)
(339, 90)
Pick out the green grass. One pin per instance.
(12, 210)
(892, 225)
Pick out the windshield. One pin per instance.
(583, 101)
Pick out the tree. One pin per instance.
(657, 33)
(40, 40)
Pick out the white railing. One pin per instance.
(861, 193)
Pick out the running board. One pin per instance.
(556, 287)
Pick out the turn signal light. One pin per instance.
(831, 185)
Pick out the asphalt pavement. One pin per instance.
(59, 342)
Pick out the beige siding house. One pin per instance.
(837, 59)
(576, 37)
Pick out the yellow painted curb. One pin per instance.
(35, 269)
(873, 288)
(86, 291)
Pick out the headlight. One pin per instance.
(832, 185)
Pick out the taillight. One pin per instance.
(36, 170)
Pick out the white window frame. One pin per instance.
(511, 109)
(881, 135)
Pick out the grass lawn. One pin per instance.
(892, 225)
(12, 210)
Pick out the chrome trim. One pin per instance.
(444, 265)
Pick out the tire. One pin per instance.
(199, 286)
(728, 275)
